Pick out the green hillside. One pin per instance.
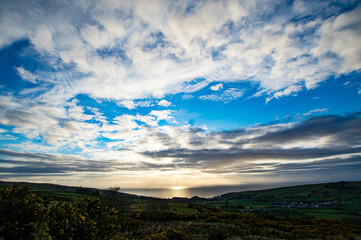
(339, 200)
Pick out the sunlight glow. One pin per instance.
(178, 188)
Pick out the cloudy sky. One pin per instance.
(180, 93)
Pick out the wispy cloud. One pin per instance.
(225, 96)
(133, 52)
(316, 111)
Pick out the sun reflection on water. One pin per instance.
(175, 188)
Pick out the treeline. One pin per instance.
(25, 215)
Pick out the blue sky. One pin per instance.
(180, 93)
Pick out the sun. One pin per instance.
(177, 188)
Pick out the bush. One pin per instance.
(84, 218)
(217, 234)
(169, 234)
(21, 213)
(155, 210)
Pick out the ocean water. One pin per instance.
(206, 192)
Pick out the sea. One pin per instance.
(204, 192)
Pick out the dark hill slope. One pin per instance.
(314, 192)
(63, 192)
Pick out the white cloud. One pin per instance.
(187, 96)
(318, 110)
(149, 120)
(134, 52)
(126, 122)
(130, 104)
(95, 37)
(225, 96)
(127, 104)
(77, 112)
(288, 91)
(16, 22)
(217, 87)
(26, 75)
(3, 130)
(164, 103)
(42, 39)
(162, 115)
(55, 125)
(9, 101)
(341, 36)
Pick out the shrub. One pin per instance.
(155, 209)
(217, 234)
(84, 218)
(169, 234)
(21, 213)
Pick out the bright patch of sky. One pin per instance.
(136, 93)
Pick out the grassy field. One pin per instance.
(181, 208)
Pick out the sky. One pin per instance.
(152, 94)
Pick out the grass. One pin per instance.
(354, 205)
(181, 208)
(325, 213)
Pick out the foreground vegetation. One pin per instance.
(82, 213)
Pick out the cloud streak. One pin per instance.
(333, 137)
(252, 150)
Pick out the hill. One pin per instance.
(62, 192)
(335, 200)
(313, 192)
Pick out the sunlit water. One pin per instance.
(206, 192)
